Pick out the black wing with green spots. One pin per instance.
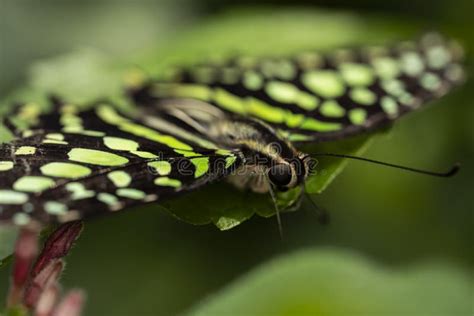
(70, 164)
(97, 161)
(314, 97)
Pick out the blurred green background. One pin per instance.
(386, 227)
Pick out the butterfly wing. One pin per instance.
(314, 97)
(99, 161)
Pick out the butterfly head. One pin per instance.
(290, 173)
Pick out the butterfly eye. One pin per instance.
(280, 175)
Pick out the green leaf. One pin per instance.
(6, 261)
(83, 77)
(316, 282)
(8, 236)
(272, 31)
(16, 311)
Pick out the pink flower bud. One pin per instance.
(42, 282)
(26, 249)
(71, 305)
(47, 301)
(36, 287)
(58, 244)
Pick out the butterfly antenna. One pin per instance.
(454, 169)
(277, 209)
(321, 214)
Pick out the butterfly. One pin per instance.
(242, 119)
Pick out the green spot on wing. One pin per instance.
(131, 194)
(12, 197)
(265, 111)
(407, 99)
(186, 153)
(438, 57)
(96, 157)
(65, 170)
(21, 219)
(363, 96)
(390, 106)
(277, 115)
(229, 101)
(357, 74)
(163, 168)
(78, 191)
(71, 121)
(55, 208)
(25, 150)
(6, 165)
(431, 81)
(81, 131)
(153, 135)
(229, 161)
(107, 198)
(386, 68)
(224, 152)
(331, 108)
(412, 64)
(288, 93)
(167, 182)
(109, 115)
(55, 136)
(33, 184)
(201, 165)
(252, 80)
(117, 143)
(358, 116)
(311, 124)
(27, 133)
(119, 178)
(326, 83)
(53, 141)
(144, 154)
(394, 87)
(293, 137)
